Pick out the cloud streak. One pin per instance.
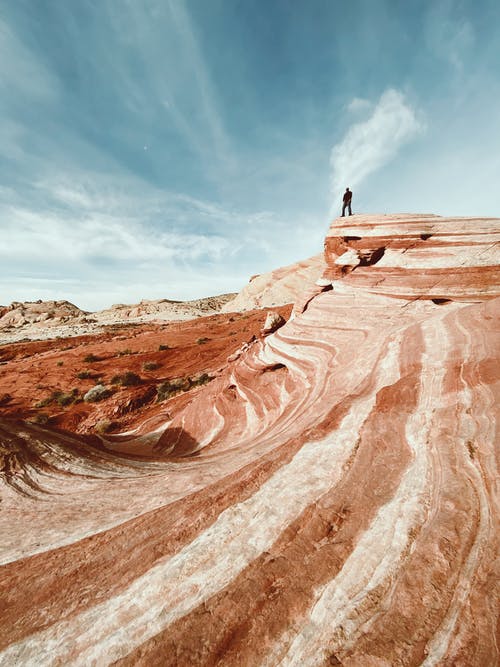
(369, 145)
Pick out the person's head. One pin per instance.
(347, 189)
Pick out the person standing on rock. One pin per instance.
(347, 202)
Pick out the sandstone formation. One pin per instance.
(330, 498)
(278, 287)
(51, 313)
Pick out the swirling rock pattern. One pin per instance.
(329, 499)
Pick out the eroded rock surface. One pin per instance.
(278, 287)
(329, 498)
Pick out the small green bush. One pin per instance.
(60, 363)
(60, 397)
(123, 353)
(40, 418)
(127, 379)
(84, 375)
(172, 387)
(176, 386)
(200, 379)
(64, 399)
(151, 365)
(163, 347)
(90, 359)
(44, 402)
(202, 341)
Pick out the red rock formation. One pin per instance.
(329, 498)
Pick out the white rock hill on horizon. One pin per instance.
(330, 498)
(47, 319)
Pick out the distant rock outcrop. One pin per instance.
(329, 498)
(46, 319)
(162, 309)
(50, 313)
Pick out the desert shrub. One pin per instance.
(202, 341)
(123, 353)
(127, 379)
(163, 347)
(63, 399)
(172, 387)
(44, 402)
(84, 375)
(150, 365)
(60, 363)
(40, 418)
(97, 393)
(200, 379)
(60, 397)
(104, 426)
(90, 359)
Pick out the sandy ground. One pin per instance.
(31, 372)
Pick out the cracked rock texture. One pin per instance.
(330, 498)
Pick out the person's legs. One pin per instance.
(350, 212)
(343, 210)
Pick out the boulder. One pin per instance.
(97, 393)
(273, 322)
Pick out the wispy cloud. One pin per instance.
(47, 237)
(369, 145)
(205, 87)
(20, 72)
(77, 230)
(449, 34)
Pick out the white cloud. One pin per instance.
(96, 239)
(369, 145)
(48, 236)
(358, 104)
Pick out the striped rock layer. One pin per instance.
(330, 499)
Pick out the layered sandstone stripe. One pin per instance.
(331, 498)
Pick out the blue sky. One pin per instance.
(169, 149)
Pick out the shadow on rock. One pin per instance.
(176, 442)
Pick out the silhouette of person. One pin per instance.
(347, 202)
